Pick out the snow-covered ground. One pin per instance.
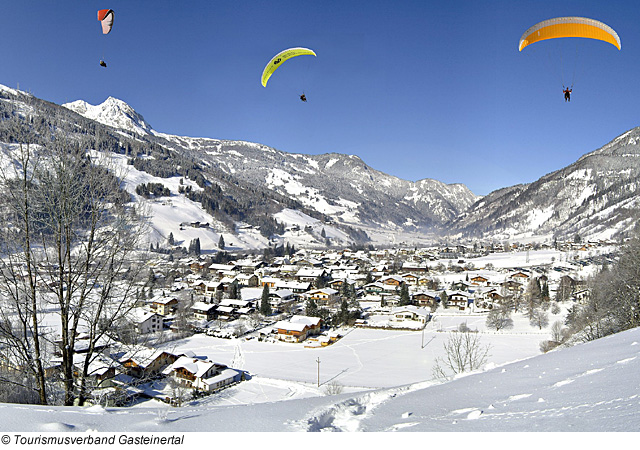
(589, 387)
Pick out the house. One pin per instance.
(310, 274)
(425, 298)
(298, 328)
(411, 279)
(414, 267)
(145, 322)
(392, 280)
(323, 297)
(479, 280)
(281, 298)
(164, 305)
(460, 286)
(519, 277)
(100, 372)
(219, 269)
(410, 313)
(512, 287)
(581, 295)
(143, 362)
(203, 311)
(247, 280)
(458, 299)
(202, 374)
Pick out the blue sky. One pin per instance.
(417, 89)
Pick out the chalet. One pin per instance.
(293, 286)
(458, 299)
(519, 277)
(203, 311)
(410, 313)
(411, 279)
(512, 287)
(202, 374)
(269, 281)
(373, 288)
(414, 267)
(222, 269)
(164, 306)
(100, 372)
(323, 297)
(248, 280)
(298, 328)
(425, 298)
(479, 280)
(141, 362)
(392, 280)
(460, 286)
(281, 298)
(198, 266)
(311, 274)
(249, 266)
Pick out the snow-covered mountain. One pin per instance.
(342, 187)
(595, 197)
(112, 112)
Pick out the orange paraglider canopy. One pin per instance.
(105, 16)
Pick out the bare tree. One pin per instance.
(75, 238)
(333, 388)
(464, 352)
(538, 318)
(500, 318)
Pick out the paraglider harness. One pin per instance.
(303, 97)
(103, 64)
(567, 93)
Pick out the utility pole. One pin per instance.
(318, 361)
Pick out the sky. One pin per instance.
(417, 89)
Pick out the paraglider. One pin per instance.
(281, 57)
(569, 27)
(105, 17)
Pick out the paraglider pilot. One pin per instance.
(303, 98)
(103, 64)
(567, 94)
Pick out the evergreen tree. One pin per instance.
(311, 308)
(234, 292)
(265, 305)
(221, 244)
(444, 299)
(171, 239)
(369, 278)
(405, 299)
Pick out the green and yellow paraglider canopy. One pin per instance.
(281, 57)
(561, 27)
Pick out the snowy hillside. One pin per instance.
(589, 387)
(340, 186)
(596, 197)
